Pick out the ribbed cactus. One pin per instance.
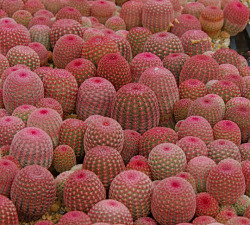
(212, 20)
(206, 205)
(238, 220)
(33, 6)
(8, 171)
(228, 68)
(82, 5)
(228, 130)
(41, 51)
(244, 151)
(241, 116)
(16, 34)
(137, 37)
(9, 126)
(163, 43)
(133, 182)
(131, 145)
(50, 103)
(10, 6)
(155, 136)
(196, 126)
(181, 108)
(184, 23)
(163, 83)
(242, 204)
(157, 15)
(188, 177)
(4, 64)
(226, 182)
(131, 13)
(143, 61)
(174, 62)
(196, 42)
(23, 112)
(8, 211)
(62, 86)
(75, 217)
(60, 183)
(166, 160)
(141, 111)
(67, 48)
(31, 146)
(204, 220)
(199, 167)
(48, 120)
(110, 211)
(40, 20)
(230, 56)
(140, 165)
(26, 191)
(82, 190)
(23, 55)
(15, 92)
(41, 34)
(68, 12)
(103, 45)
(22, 17)
(145, 221)
(192, 147)
(200, 67)
(62, 27)
(193, 8)
(169, 198)
(192, 89)
(115, 23)
(105, 162)
(236, 16)
(222, 149)
(225, 214)
(208, 108)
(104, 131)
(81, 69)
(63, 158)
(95, 96)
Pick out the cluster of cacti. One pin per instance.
(124, 112)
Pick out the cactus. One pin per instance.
(174, 62)
(167, 205)
(10, 7)
(192, 147)
(236, 16)
(8, 211)
(63, 158)
(23, 112)
(133, 182)
(192, 89)
(140, 165)
(62, 27)
(200, 67)
(242, 204)
(228, 130)
(142, 113)
(40, 20)
(181, 108)
(157, 15)
(143, 61)
(163, 83)
(115, 69)
(8, 171)
(199, 167)
(75, 217)
(50, 103)
(41, 51)
(137, 37)
(104, 131)
(244, 151)
(60, 183)
(105, 162)
(31, 146)
(41, 34)
(69, 13)
(115, 23)
(82, 5)
(22, 17)
(82, 190)
(194, 9)
(67, 48)
(62, 86)
(33, 6)
(155, 136)
(81, 69)
(48, 120)
(195, 42)
(110, 211)
(184, 23)
(196, 126)
(9, 126)
(166, 160)
(26, 191)
(162, 44)
(226, 182)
